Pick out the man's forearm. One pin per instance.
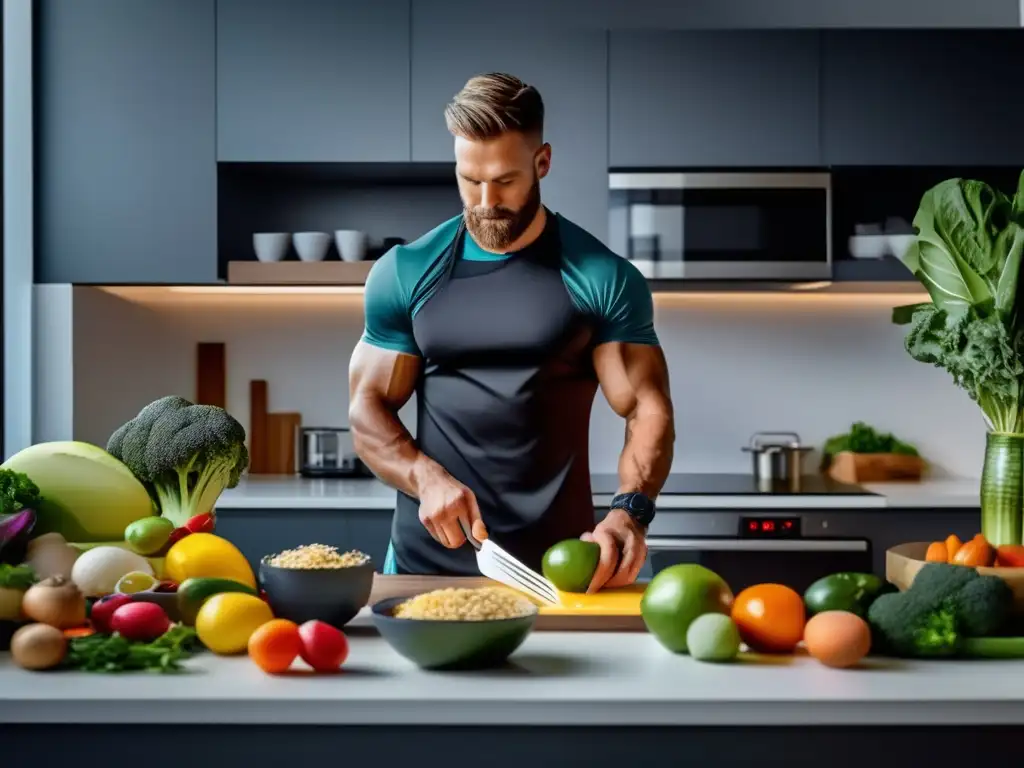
(647, 456)
(385, 445)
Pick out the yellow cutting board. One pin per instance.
(621, 601)
(610, 610)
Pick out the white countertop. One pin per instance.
(556, 678)
(295, 492)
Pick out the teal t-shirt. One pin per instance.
(602, 285)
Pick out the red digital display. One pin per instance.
(770, 526)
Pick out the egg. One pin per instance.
(837, 638)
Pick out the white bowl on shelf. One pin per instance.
(898, 244)
(869, 246)
(271, 246)
(311, 246)
(351, 244)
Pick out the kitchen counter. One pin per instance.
(294, 492)
(561, 679)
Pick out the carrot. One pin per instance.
(79, 632)
(953, 545)
(936, 552)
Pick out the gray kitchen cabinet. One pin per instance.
(126, 176)
(312, 81)
(907, 97)
(713, 98)
(261, 532)
(795, 14)
(568, 66)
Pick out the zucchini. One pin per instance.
(992, 648)
(192, 593)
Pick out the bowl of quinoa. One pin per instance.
(317, 581)
(456, 627)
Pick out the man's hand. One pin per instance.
(623, 551)
(444, 501)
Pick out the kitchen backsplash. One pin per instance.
(739, 364)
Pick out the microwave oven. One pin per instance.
(723, 225)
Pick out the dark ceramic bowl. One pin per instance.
(436, 644)
(332, 595)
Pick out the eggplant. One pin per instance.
(15, 531)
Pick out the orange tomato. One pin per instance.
(275, 645)
(937, 552)
(770, 617)
(953, 545)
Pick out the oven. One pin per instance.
(794, 548)
(723, 226)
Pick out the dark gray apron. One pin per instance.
(503, 404)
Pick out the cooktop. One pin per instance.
(736, 484)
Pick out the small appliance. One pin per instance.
(329, 452)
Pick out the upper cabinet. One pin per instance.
(806, 14)
(714, 98)
(126, 176)
(451, 43)
(313, 81)
(922, 97)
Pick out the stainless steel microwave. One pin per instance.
(723, 225)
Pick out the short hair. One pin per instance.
(492, 104)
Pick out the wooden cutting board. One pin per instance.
(611, 610)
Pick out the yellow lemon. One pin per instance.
(205, 555)
(226, 621)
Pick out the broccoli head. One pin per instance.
(945, 604)
(17, 492)
(185, 454)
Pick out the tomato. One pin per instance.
(770, 617)
(324, 647)
(275, 645)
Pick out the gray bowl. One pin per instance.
(331, 595)
(436, 644)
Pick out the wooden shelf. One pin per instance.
(298, 272)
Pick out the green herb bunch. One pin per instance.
(967, 254)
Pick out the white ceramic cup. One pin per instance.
(351, 244)
(271, 246)
(311, 246)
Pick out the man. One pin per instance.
(504, 320)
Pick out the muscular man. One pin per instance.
(504, 320)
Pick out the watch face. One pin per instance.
(638, 503)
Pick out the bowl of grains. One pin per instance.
(456, 627)
(316, 581)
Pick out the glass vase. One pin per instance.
(1002, 489)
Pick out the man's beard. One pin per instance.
(497, 228)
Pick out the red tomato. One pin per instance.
(324, 648)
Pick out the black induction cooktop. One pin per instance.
(736, 484)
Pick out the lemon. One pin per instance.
(136, 581)
(226, 621)
(204, 555)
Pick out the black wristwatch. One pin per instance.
(637, 506)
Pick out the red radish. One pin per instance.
(103, 609)
(141, 622)
(203, 523)
(324, 647)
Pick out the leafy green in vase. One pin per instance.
(967, 255)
